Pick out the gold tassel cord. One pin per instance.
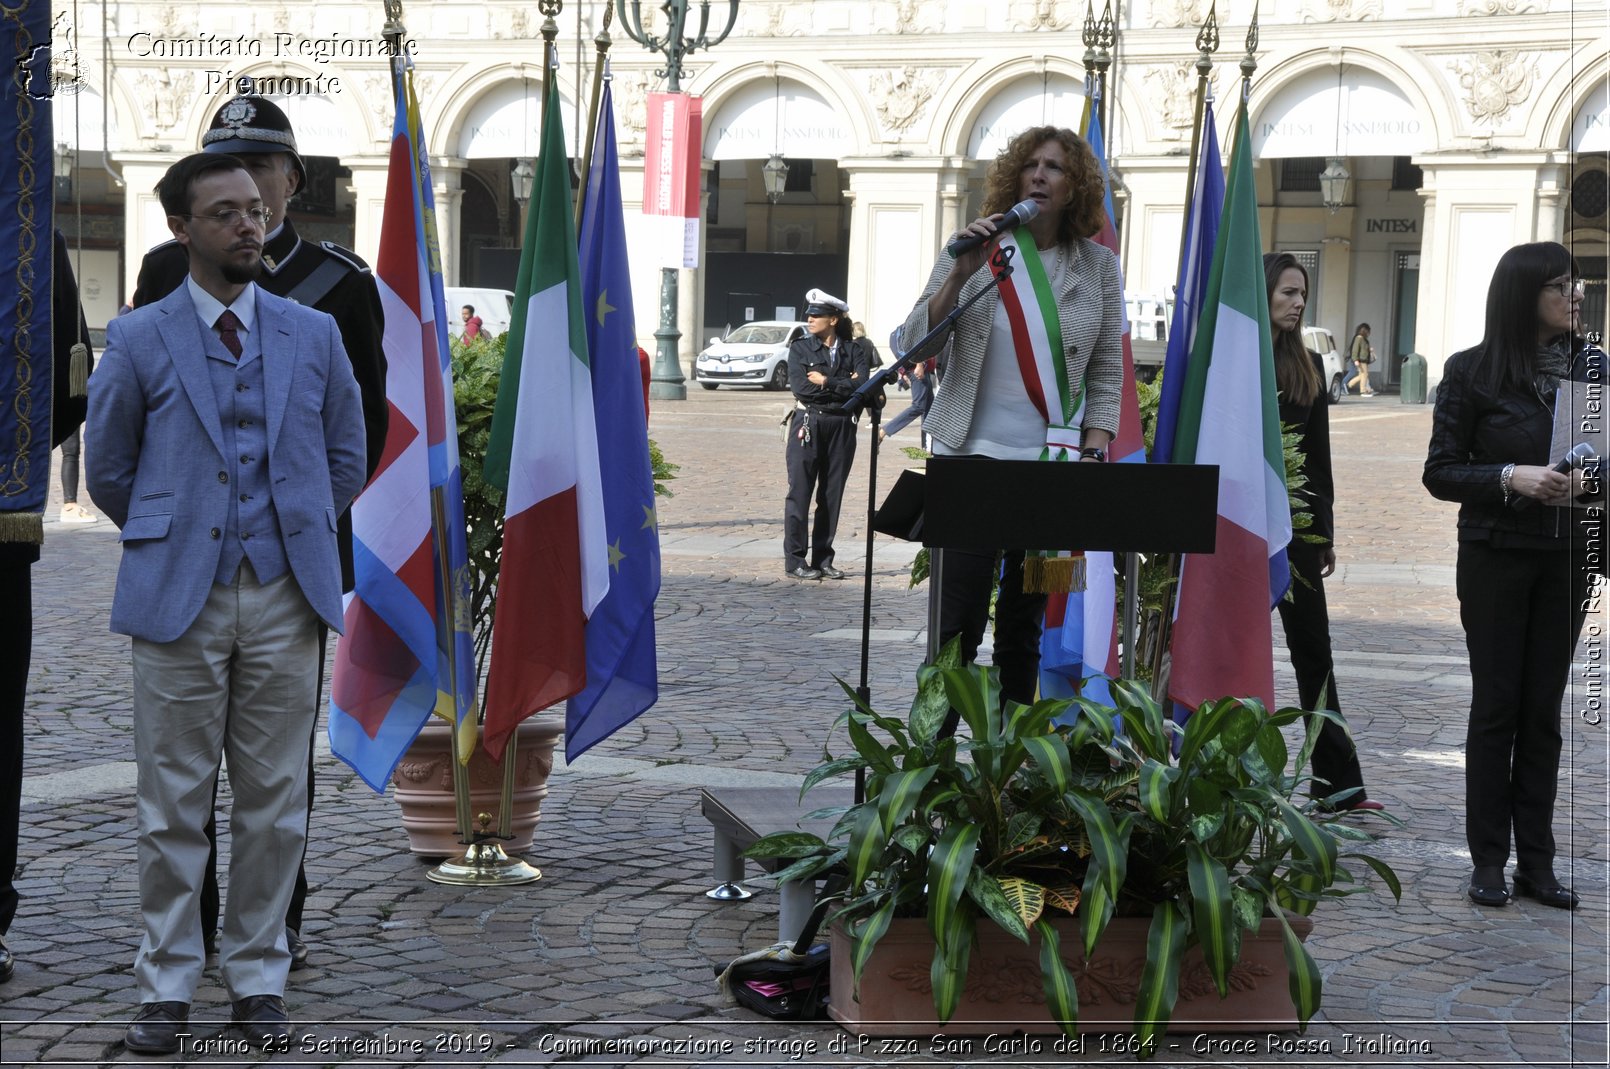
(1053, 575)
(78, 371)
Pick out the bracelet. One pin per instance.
(1503, 482)
(1092, 452)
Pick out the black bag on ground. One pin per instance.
(783, 990)
(784, 982)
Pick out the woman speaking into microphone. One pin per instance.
(1033, 369)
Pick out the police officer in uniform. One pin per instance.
(825, 366)
(322, 275)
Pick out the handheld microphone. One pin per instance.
(1021, 213)
(1579, 455)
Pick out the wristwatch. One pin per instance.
(1093, 452)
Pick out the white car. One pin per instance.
(756, 354)
(1319, 339)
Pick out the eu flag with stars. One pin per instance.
(622, 671)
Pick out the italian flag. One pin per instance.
(544, 453)
(1223, 645)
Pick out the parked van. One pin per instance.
(495, 307)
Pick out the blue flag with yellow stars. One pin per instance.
(622, 671)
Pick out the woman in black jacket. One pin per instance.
(1300, 380)
(1523, 573)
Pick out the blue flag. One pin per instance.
(622, 670)
(1201, 235)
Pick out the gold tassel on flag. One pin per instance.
(78, 371)
(1053, 575)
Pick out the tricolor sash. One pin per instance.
(1030, 304)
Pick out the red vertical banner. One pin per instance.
(675, 138)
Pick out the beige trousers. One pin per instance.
(239, 684)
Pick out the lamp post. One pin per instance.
(1334, 183)
(666, 382)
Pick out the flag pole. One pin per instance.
(600, 72)
(484, 862)
(1207, 43)
(395, 33)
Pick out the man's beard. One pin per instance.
(239, 274)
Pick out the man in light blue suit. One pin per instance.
(228, 437)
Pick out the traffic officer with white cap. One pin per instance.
(825, 366)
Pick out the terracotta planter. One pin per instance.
(424, 786)
(1004, 992)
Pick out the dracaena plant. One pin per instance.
(1075, 808)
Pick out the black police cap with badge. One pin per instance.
(250, 125)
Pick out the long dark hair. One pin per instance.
(1086, 210)
(1506, 359)
(1296, 377)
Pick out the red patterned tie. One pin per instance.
(228, 324)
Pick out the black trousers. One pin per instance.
(1306, 621)
(1522, 610)
(209, 883)
(16, 647)
(821, 465)
(965, 582)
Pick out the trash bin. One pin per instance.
(1412, 383)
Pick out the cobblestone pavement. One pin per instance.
(617, 940)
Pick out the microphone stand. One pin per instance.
(926, 346)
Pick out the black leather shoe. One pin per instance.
(262, 1020)
(1547, 891)
(298, 949)
(157, 1027)
(8, 964)
(803, 572)
(1487, 887)
(830, 572)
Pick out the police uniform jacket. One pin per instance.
(808, 354)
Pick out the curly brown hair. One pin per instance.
(1086, 210)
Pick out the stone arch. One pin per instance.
(732, 86)
(972, 101)
(345, 113)
(1569, 92)
(464, 95)
(1287, 72)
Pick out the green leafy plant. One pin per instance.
(1082, 809)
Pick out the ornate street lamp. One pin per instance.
(775, 177)
(64, 170)
(1335, 179)
(522, 178)
(667, 382)
(1335, 183)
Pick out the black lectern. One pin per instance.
(982, 504)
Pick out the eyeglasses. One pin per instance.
(233, 216)
(1573, 288)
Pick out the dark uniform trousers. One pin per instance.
(334, 281)
(1522, 610)
(821, 464)
(1306, 620)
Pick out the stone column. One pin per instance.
(368, 202)
(447, 183)
(901, 211)
(1478, 205)
(144, 222)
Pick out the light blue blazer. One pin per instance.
(157, 466)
